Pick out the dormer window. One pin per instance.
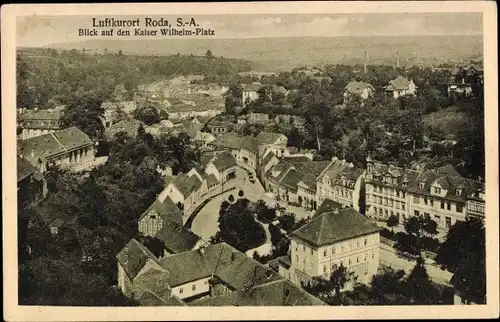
(422, 184)
(459, 192)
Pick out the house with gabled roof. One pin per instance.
(31, 184)
(39, 122)
(222, 167)
(442, 195)
(401, 87)
(178, 239)
(341, 237)
(275, 142)
(360, 89)
(214, 275)
(154, 217)
(250, 93)
(67, 148)
(341, 181)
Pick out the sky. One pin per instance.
(45, 30)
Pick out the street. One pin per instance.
(388, 257)
(205, 224)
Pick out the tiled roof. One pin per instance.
(148, 298)
(254, 87)
(399, 176)
(277, 293)
(51, 144)
(449, 179)
(212, 180)
(229, 140)
(129, 126)
(250, 143)
(296, 159)
(187, 185)
(327, 205)
(49, 114)
(166, 209)
(332, 227)
(400, 83)
(268, 158)
(24, 169)
(265, 138)
(133, 257)
(291, 179)
(357, 87)
(177, 239)
(224, 161)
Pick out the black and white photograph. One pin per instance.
(176, 158)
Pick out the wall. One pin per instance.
(383, 203)
(124, 283)
(186, 290)
(437, 209)
(172, 192)
(150, 224)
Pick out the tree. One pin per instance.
(464, 253)
(149, 115)
(418, 286)
(209, 54)
(393, 221)
(388, 282)
(329, 289)
(120, 53)
(287, 221)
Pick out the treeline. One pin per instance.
(392, 130)
(50, 77)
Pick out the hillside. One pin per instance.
(286, 53)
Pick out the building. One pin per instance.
(217, 127)
(250, 92)
(475, 203)
(401, 87)
(153, 218)
(465, 80)
(178, 239)
(222, 167)
(443, 195)
(129, 126)
(334, 238)
(215, 275)
(203, 138)
(360, 89)
(387, 190)
(67, 148)
(31, 185)
(341, 181)
(275, 142)
(185, 191)
(257, 118)
(33, 123)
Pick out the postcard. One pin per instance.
(250, 160)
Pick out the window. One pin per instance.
(297, 258)
(152, 217)
(437, 219)
(442, 205)
(349, 261)
(312, 251)
(366, 241)
(373, 254)
(427, 216)
(386, 213)
(365, 257)
(206, 282)
(402, 206)
(425, 200)
(448, 222)
(181, 290)
(417, 213)
(325, 253)
(333, 250)
(303, 248)
(448, 206)
(380, 211)
(437, 190)
(416, 199)
(432, 203)
(397, 193)
(194, 287)
(324, 269)
(357, 259)
(357, 244)
(459, 208)
(375, 208)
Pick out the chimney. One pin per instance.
(202, 249)
(365, 62)
(233, 256)
(397, 59)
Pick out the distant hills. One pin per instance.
(287, 53)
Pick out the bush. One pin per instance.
(430, 244)
(406, 243)
(387, 234)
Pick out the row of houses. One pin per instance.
(441, 194)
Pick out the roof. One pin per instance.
(250, 143)
(187, 185)
(166, 209)
(279, 89)
(229, 140)
(448, 178)
(277, 293)
(24, 169)
(149, 298)
(268, 158)
(254, 87)
(177, 239)
(224, 161)
(327, 205)
(291, 179)
(400, 83)
(129, 126)
(133, 257)
(265, 138)
(398, 176)
(48, 114)
(51, 144)
(300, 158)
(335, 226)
(212, 180)
(358, 87)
